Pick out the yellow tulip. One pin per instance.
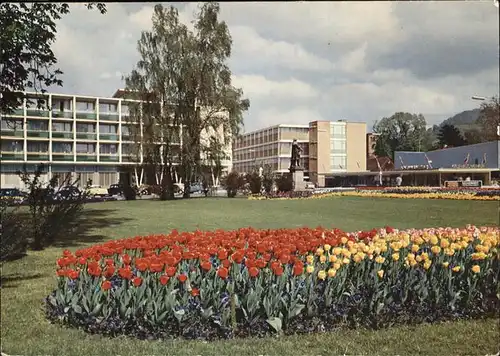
(449, 251)
(456, 269)
(395, 256)
(436, 249)
(322, 258)
(327, 247)
(446, 264)
(320, 251)
(322, 275)
(310, 269)
(415, 248)
(346, 261)
(337, 266)
(476, 269)
(337, 251)
(419, 258)
(381, 273)
(410, 256)
(434, 240)
(478, 256)
(332, 272)
(310, 259)
(444, 243)
(427, 264)
(343, 240)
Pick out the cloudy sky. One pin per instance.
(304, 61)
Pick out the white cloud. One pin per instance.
(299, 62)
(257, 86)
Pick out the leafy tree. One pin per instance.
(489, 119)
(186, 73)
(254, 182)
(28, 32)
(232, 183)
(267, 178)
(211, 102)
(449, 135)
(400, 132)
(473, 136)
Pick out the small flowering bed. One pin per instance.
(222, 284)
(401, 193)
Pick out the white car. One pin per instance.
(97, 191)
(310, 185)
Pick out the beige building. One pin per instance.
(270, 146)
(336, 148)
(328, 148)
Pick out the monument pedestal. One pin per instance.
(298, 180)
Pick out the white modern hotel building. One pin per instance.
(87, 136)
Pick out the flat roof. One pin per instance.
(421, 171)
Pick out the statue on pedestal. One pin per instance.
(295, 159)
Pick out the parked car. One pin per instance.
(13, 195)
(115, 189)
(195, 188)
(310, 185)
(97, 191)
(67, 192)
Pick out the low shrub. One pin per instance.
(222, 284)
(233, 182)
(254, 182)
(284, 183)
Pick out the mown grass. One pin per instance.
(25, 282)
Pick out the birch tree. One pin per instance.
(186, 71)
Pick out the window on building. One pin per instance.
(12, 146)
(108, 129)
(85, 148)
(85, 106)
(62, 126)
(125, 110)
(62, 147)
(85, 128)
(62, 104)
(38, 125)
(106, 148)
(38, 146)
(338, 162)
(338, 146)
(108, 107)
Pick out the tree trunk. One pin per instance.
(167, 184)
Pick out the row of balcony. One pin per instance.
(65, 135)
(69, 114)
(64, 157)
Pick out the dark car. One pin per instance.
(115, 189)
(67, 193)
(13, 195)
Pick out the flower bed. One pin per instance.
(222, 284)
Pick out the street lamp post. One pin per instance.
(482, 98)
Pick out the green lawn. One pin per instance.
(26, 282)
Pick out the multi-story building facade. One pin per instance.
(90, 137)
(335, 148)
(270, 146)
(328, 148)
